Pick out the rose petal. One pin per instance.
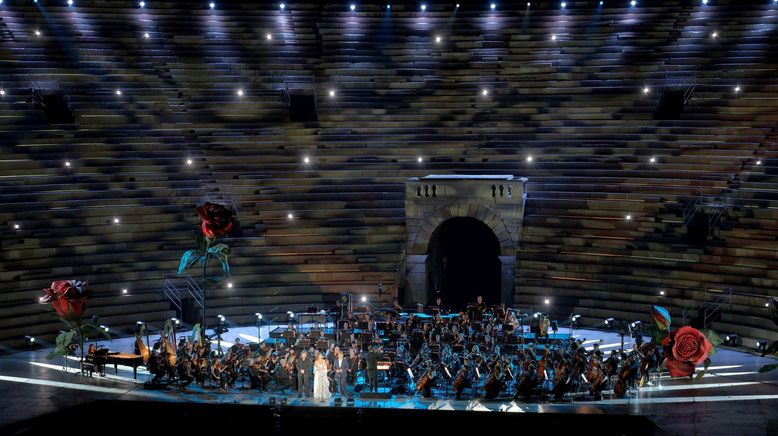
(679, 369)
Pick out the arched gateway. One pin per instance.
(462, 229)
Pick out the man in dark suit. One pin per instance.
(341, 367)
(303, 373)
(371, 360)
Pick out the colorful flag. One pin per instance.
(661, 317)
(196, 335)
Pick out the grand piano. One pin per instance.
(103, 356)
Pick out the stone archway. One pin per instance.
(497, 201)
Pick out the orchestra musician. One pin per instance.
(465, 352)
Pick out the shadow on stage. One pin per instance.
(153, 417)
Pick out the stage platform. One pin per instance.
(733, 398)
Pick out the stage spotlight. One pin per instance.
(601, 3)
(608, 322)
(332, 93)
(546, 301)
(628, 217)
(419, 159)
(553, 37)
(536, 314)
(116, 220)
(493, 6)
(221, 318)
(37, 32)
(176, 321)
(759, 162)
(70, 3)
(2, 92)
(119, 92)
(388, 6)
(282, 6)
(737, 88)
(423, 7)
(731, 340)
(142, 4)
(240, 93)
(306, 160)
(635, 325)
(29, 340)
(705, 2)
(529, 158)
(146, 35)
(564, 5)
(211, 5)
(353, 7)
(528, 4)
(652, 160)
(438, 39)
(646, 90)
(289, 216)
(662, 293)
(485, 92)
(633, 3)
(125, 291)
(269, 37)
(761, 345)
(229, 285)
(458, 4)
(714, 35)
(364, 298)
(189, 162)
(258, 316)
(67, 164)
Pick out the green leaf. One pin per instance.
(768, 368)
(221, 252)
(62, 344)
(188, 259)
(714, 339)
(701, 374)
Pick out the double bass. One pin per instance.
(494, 383)
(627, 373)
(596, 377)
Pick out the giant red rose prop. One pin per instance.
(684, 348)
(215, 220)
(68, 297)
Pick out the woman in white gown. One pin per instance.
(321, 385)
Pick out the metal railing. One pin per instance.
(179, 287)
(712, 308)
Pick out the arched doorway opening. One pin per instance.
(463, 262)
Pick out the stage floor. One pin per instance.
(732, 398)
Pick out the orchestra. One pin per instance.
(479, 353)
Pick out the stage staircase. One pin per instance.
(713, 304)
(185, 296)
